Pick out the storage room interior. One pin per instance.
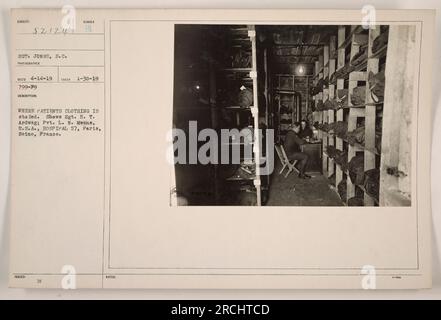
(346, 86)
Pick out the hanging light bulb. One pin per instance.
(301, 69)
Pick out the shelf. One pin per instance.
(238, 69)
(240, 179)
(357, 145)
(238, 108)
(285, 91)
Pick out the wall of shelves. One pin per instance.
(246, 77)
(345, 64)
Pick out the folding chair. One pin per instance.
(284, 160)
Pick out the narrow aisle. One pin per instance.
(293, 191)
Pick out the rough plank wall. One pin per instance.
(397, 116)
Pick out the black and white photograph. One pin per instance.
(294, 115)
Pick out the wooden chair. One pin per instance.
(285, 161)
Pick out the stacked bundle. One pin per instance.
(356, 170)
(356, 136)
(340, 129)
(331, 151)
(324, 127)
(376, 85)
(342, 190)
(340, 157)
(356, 202)
(245, 98)
(372, 182)
(331, 104)
(358, 96)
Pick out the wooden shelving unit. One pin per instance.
(347, 44)
(247, 39)
(284, 89)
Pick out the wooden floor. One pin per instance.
(292, 191)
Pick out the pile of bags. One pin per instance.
(372, 182)
(245, 97)
(356, 170)
(339, 156)
(330, 104)
(340, 129)
(342, 190)
(356, 136)
(358, 96)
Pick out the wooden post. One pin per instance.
(371, 115)
(255, 111)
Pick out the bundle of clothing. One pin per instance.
(241, 59)
(331, 104)
(339, 156)
(381, 40)
(358, 96)
(356, 202)
(359, 57)
(372, 182)
(356, 136)
(376, 85)
(245, 98)
(356, 170)
(342, 189)
(339, 128)
(331, 151)
(324, 127)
